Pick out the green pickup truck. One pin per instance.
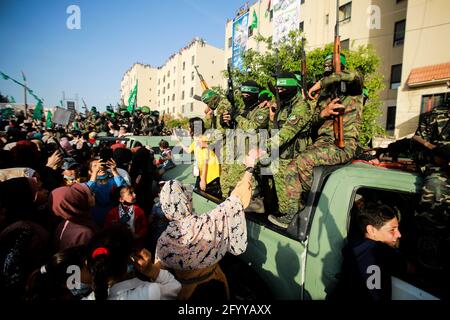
(304, 261)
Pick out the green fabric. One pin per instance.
(208, 95)
(249, 89)
(287, 82)
(254, 24)
(343, 59)
(37, 115)
(48, 120)
(132, 98)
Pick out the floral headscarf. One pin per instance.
(192, 241)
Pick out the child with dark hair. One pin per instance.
(53, 280)
(165, 163)
(128, 213)
(109, 255)
(377, 250)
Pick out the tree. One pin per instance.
(262, 67)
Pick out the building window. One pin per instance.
(184, 79)
(192, 75)
(300, 26)
(230, 61)
(158, 92)
(159, 81)
(271, 15)
(390, 120)
(164, 90)
(345, 12)
(174, 83)
(399, 33)
(174, 69)
(345, 44)
(302, 1)
(327, 19)
(230, 42)
(184, 65)
(396, 76)
(192, 107)
(212, 62)
(193, 60)
(168, 73)
(212, 77)
(182, 108)
(164, 101)
(192, 92)
(431, 101)
(173, 109)
(182, 95)
(168, 86)
(173, 97)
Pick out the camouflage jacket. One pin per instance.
(352, 120)
(434, 126)
(294, 124)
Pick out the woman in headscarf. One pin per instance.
(20, 199)
(192, 245)
(73, 204)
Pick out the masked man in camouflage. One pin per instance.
(433, 217)
(254, 116)
(293, 122)
(324, 151)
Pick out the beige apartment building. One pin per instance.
(171, 88)
(378, 22)
(426, 62)
(146, 77)
(178, 81)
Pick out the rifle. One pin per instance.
(338, 122)
(230, 97)
(202, 80)
(86, 111)
(303, 70)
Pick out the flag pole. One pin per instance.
(25, 95)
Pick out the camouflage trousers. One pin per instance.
(299, 171)
(435, 197)
(286, 204)
(230, 175)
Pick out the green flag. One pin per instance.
(254, 24)
(48, 120)
(37, 115)
(132, 100)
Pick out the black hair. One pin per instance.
(193, 122)
(376, 215)
(50, 281)
(164, 144)
(112, 264)
(122, 157)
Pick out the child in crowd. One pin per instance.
(165, 162)
(128, 213)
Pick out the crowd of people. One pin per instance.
(71, 202)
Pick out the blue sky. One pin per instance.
(91, 61)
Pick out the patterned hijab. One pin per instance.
(193, 242)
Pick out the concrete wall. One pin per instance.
(426, 43)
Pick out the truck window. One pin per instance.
(406, 204)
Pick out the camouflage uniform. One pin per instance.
(322, 152)
(231, 173)
(294, 124)
(433, 216)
